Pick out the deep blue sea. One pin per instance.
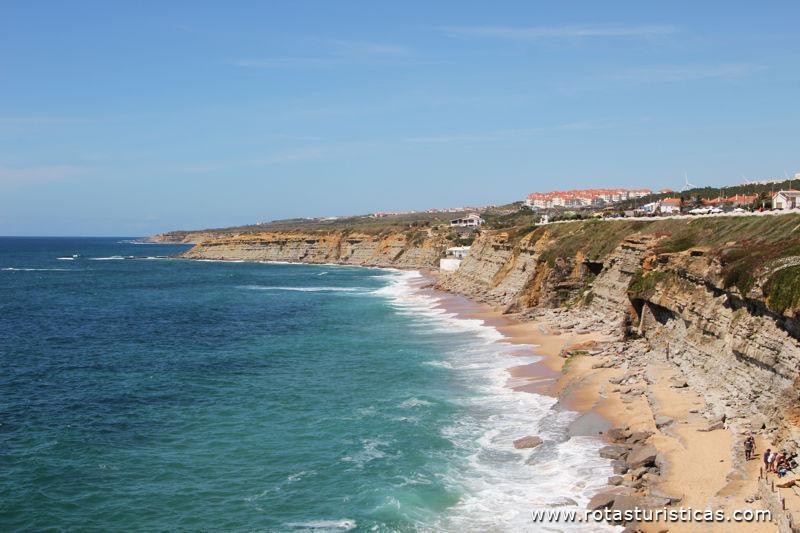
(140, 392)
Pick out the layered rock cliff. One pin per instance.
(720, 294)
(417, 249)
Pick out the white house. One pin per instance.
(471, 220)
(459, 252)
(786, 199)
(650, 208)
(670, 206)
(453, 259)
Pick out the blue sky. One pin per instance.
(140, 117)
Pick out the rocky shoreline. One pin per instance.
(663, 428)
(686, 329)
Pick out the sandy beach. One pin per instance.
(705, 469)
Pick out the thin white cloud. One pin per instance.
(511, 134)
(487, 136)
(38, 174)
(681, 73)
(368, 49)
(287, 62)
(559, 32)
(333, 53)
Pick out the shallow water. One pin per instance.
(140, 392)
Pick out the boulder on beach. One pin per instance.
(613, 451)
(662, 421)
(530, 441)
(618, 434)
(642, 456)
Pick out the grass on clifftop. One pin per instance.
(743, 244)
(783, 289)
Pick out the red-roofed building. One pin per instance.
(582, 197)
(670, 206)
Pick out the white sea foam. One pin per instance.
(500, 484)
(65, 258)
(15, 269)
(370, 450)
(302, 289)
(128, 258)
(414, 402)
(138, 241)
(344, 524)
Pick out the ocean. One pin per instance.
(143, 392)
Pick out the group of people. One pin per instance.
(780, 463)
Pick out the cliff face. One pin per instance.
(419, 250)
(719, 295)
(722, 294)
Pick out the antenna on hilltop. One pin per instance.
(686, 184)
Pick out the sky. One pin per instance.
(134, 118)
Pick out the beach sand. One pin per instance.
(704, 468)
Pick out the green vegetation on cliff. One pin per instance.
(741, 244)
(643, 284)
(783, 289)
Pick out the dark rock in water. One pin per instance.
(615, 480)
(530, 441)
(613, 451)
(642, 456)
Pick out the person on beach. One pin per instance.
(767, 455)
(749, 445)
(776, 460)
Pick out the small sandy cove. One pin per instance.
(706, 469)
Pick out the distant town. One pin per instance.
(552, 206)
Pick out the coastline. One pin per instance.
(699, 468)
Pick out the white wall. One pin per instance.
(449, 264)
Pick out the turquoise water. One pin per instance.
(144, 393)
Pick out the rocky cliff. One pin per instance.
(413, 249)
(720, 294)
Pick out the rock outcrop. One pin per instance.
(719, 296)
(419, 250)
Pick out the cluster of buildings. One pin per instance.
(673, 206)
(433, 210)
(582, 197)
